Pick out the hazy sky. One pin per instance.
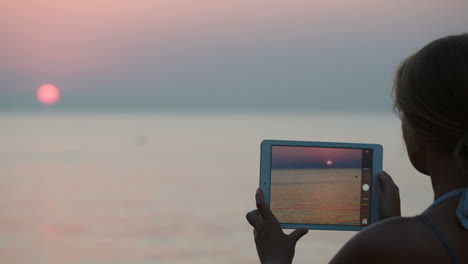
(210, 54)
(285, 157)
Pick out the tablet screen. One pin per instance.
(317, 185)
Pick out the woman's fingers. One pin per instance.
(262, 207)
(389, 204)
(258, 241)
(254, 218)
(298, 233)
(388, 185)
(273, 246)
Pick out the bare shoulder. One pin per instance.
(395, 240)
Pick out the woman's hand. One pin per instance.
(389, 204)
(273, 246)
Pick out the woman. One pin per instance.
(431, 96)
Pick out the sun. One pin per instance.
(329, 163)
(48, 94)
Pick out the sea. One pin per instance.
(164, 187)
(317, 196)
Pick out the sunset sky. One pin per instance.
(284, 157)
(214, 54)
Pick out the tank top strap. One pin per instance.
(462, 207)
(446, 196)
(461, 214)
(442, 238)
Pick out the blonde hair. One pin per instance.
(430, 94)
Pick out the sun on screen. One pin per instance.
(329, 163)
(48, 94)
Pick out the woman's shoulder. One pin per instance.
(394, 240)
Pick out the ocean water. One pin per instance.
(316, 196)
(95, 188)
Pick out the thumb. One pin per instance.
(386, 182)
(298, 233)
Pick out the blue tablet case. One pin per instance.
(377, 158)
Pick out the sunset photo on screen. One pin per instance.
(314, 185)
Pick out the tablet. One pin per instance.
(321, 185)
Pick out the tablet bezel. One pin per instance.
(377, 159)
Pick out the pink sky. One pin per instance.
(63, 36)
(109, 45)
(285, 156)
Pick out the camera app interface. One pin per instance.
(315, 185)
